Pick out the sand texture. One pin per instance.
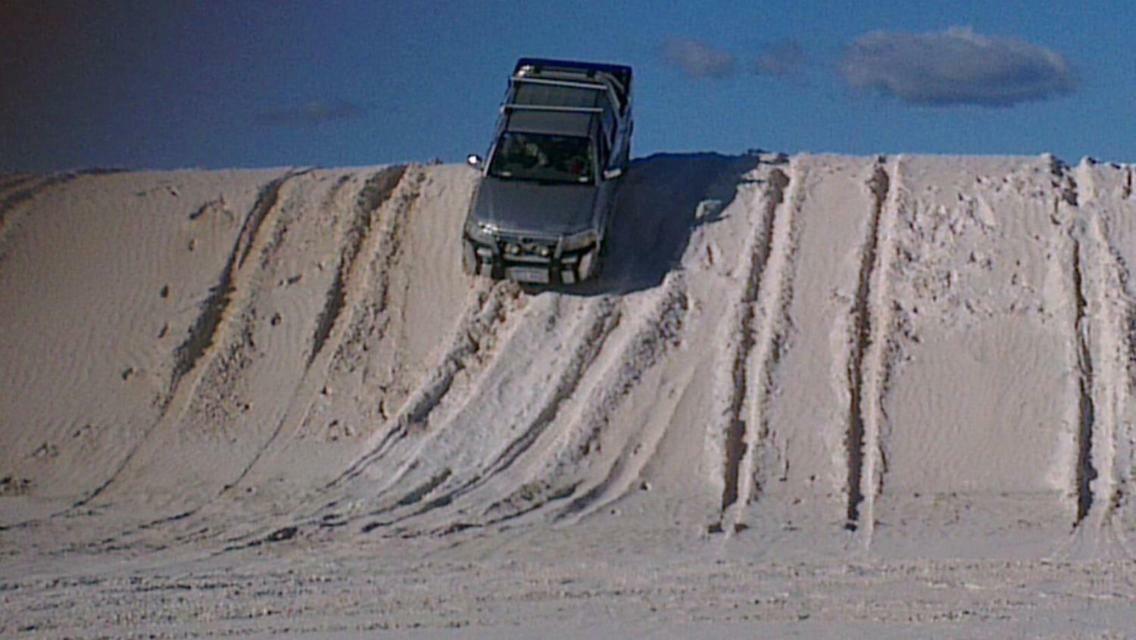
(811, 396)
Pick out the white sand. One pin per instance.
(819, 396)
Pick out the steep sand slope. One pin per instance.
(816, 358)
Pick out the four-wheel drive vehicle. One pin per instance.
(545, 197)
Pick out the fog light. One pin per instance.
(545, 251)
(513, 249)
(587, 261)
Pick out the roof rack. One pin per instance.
(586, 67)
(549, 107)
(617, 74)
(561, 83)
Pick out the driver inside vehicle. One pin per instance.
(571, 158)
(543, 157)
(534, 155)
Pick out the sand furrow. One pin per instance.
(12, 181)
(856, 442)
(654, 326)
(603, 318)
(203, 334)
(520, 476)
(27, 188)
(770, 314)
(376, 191)
(517, 425)
(478, 328)
(371, 318)
(209, 329)
(443, 436)
(1084, 278)
(1104, 323)
(23, 192)
(1084, 472)
(874, 325)
(742, 339)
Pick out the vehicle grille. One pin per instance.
(527, 248)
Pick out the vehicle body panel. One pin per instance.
(522, 206)
(545, 197)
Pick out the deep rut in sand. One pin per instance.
(766, 295)
(1105, 323)
(210, 329)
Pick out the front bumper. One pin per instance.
(529, 259)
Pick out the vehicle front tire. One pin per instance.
(592, 263)
(469, 259)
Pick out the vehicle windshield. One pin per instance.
(543, 158)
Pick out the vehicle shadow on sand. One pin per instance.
(664, 197)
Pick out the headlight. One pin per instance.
(579, 240)
(480, 232)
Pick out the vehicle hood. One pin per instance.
(517, 205)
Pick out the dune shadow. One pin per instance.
(664, 197)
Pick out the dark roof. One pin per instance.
(563, 123)
(532, 93)
(623, 72)
(571, 69)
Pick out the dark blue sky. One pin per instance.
(244, 83)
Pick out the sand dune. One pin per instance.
(920, 364)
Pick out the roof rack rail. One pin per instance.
(572, 65)
(547, 107)
(561, 83)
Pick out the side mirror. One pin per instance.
(612, 174)
(473, 160)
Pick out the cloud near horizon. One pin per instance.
(956, 67)
(311, 113)
(698, 59)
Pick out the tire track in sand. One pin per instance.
(376, 191)
(1105, 324)
(654, 325)
(636, 334)
(588, 335)
(329, 204)
(473, 344)
(770, 311)
(475, 334)
(213, 324)
(9, 182)
(557, 468)
(870, 323)
(19, 191)
(758, 249)
(1066, 207)
(353, 279)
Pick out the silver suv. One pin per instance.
(544, 201)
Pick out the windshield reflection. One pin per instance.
(543, 158)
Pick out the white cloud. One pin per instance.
(956, 67)
(697, 58)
